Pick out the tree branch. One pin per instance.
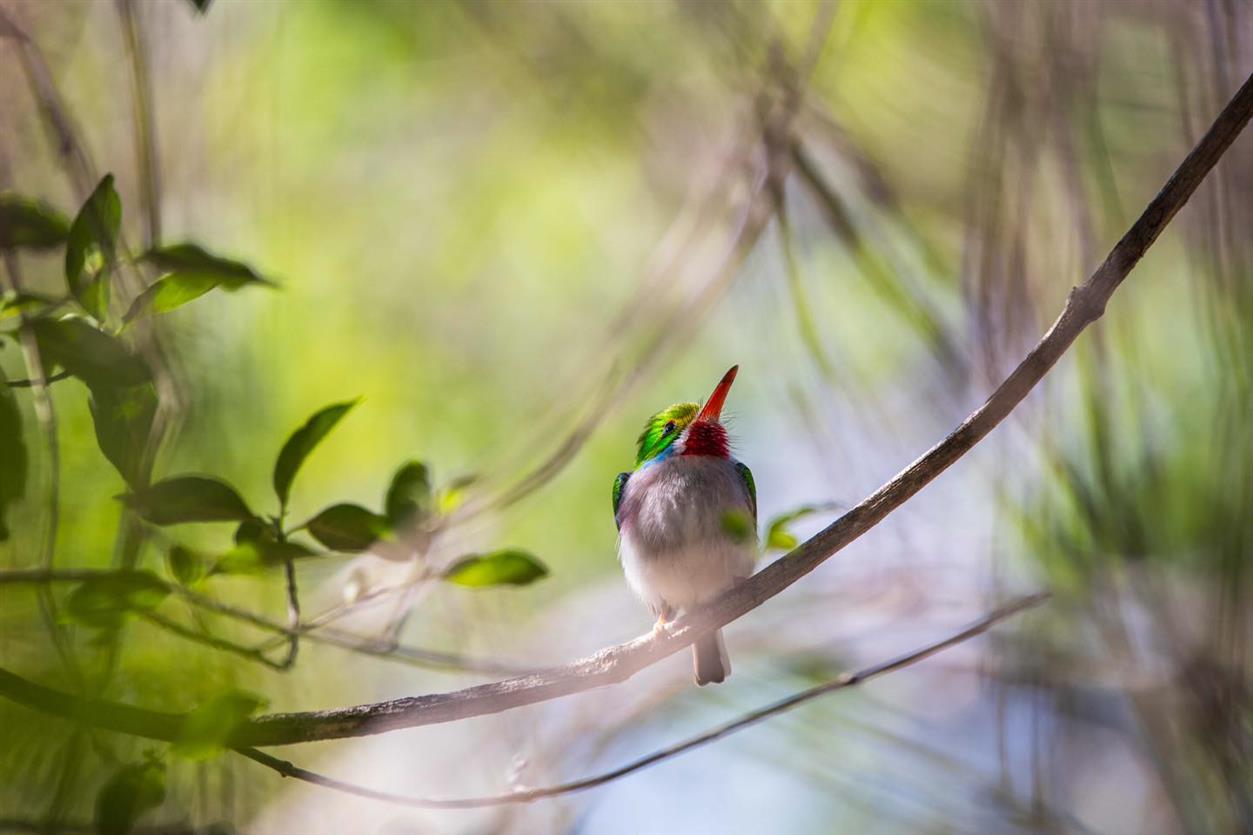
(1084, 305)
(841, 682)
(166, 726)
(38, 383)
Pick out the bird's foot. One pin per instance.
(662, 626)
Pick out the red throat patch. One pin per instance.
(706, 437)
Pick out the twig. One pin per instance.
(39, 382)
(213, 641)
(415, 656)
(145, 125)
(842, 682)
(293, 615)
(1085, 304)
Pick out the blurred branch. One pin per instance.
(69, 150)
(293, 614)
(391, 650)
(39, 382)
(45, 414)
(1084, 305)
(913, 306)
(213, 641)
(145, 126)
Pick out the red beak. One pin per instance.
(713, 406)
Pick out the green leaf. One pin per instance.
(779, 538)
(301, 443)
(89, 248)
(191, 259)
(185, 565)
(188, 499)
(738, 525)
(169, 292)
(14, 304)
(13, 470)
(409, 495)
(93, 356)
(127, 794)
(505, 567)
(123, 421)
(102, 602)
(454, 493)
(190, 273)
(208, 729)
(253, 530)
(30, 224)
(257, 556)
(347, 527)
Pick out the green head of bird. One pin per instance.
(687, 428)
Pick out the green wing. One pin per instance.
(751, 486)
(619, 484)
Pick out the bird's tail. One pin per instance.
(709, 657)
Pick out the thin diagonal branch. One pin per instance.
(717, 732)
(1085, 304)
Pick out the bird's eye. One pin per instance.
(669, 428)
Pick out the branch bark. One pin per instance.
(166, 726)
(841, 682)
(1085, 304)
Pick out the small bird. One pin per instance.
(687, 519)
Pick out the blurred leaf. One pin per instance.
(185, 565)
(738, 524)
(31, 224)
(13, 470)
(188, 499)
(347, 527)
(253, 530)
(454, 493)
(102, 602)
(14, 304)
(207, 730)
(505, 567)
(190, 273)
(93, 356)
(409, 495)
(89, 248)
(123, 421)
(779, 538)
(189, 259)
(257, 556)
(125, 796)
(301, 443)
(168, 293)
(201, 6)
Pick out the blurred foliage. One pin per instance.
(488, 224)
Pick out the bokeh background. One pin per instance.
(514, 230)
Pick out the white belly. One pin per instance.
(674, 546)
